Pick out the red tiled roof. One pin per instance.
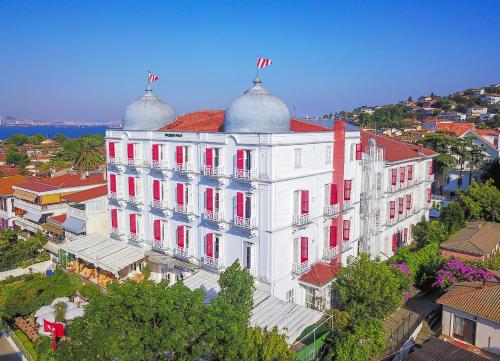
(213, 121)
(59, 219)
(320, 274)
(457, 128)
(61, 182)
(490, 132)
(9, 170)
(6, 183)
(87, 194)
(395, 151)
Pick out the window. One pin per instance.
(330, 236)
(243, 159)
(431, 167)
(181, 154)
(131, 150)
(331, 194)
(408, 201)
(392, 209)
(301, 202)
(359, 151)
(155, 153)
(402, 175)
(131, 186)
(183, 237)
(183, 195)
(346, 230)
(394, 176)
(410, 172)
(114, 218)
(301, 250)
(310, 296)
(248, 254)
(290, 296)
(134, 223)
(212, 200)
(429, 195)
(464, 329)
(394, 242)
(111, 149)
(244, 205)
(212, 157)
(401, 205)
(379, 181)
(298, 157)
(405, 235)
(212, 245)
(328, 154)
(347, 189)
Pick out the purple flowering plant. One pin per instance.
(456, 271)
(402, 267)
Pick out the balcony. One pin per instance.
(137, 200)
(330, 252)
(332, 209)
(115, 160)
(115, 195)
(28, 206)
(135, 162)
(183, 252)
(158, 244)
(247, 223)
(346, 245)
(348, 205)
(159, 164)
(135, 237)
(213, 171)
(185, 167)
(27, 224)
(212, 262)
(183, 208)
(115, 233)
(159, 204)
(77, 213)
(301, 219)
(245, 174)
(299, 268)
(216, 216)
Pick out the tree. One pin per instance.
(476, 158)
(16, 158)
(368, 288)
(84, 153)
(492, 171)
(60, 138)
(263, 345)
(426, 232)
(17, 140)
(481, 201)
(452, 217)
(36, 139)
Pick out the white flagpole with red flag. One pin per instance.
(152, 78)
(263, 63)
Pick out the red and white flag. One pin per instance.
(262, 63)
(152, 77)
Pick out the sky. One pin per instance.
(87, 60)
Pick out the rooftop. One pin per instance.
(478, 238)
(6, 184)
(456, 128)
(436, 349)
(61, 182)
(320, 274)
(58, 219)
(87, 194)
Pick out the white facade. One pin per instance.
(6, 211)
(93, 213)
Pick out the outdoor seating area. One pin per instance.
(89, 273)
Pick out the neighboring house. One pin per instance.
(87, 213)
(37, 199)
(437, 349)
(53, 227)
(7, 199)
(471, 315)
(485, 117)
(476, 111)
(478, 241)
(492, 98)
(453, 116)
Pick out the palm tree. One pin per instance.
(84, 153)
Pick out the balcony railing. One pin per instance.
(27, 224)
(135, 162)
(115, 233)
(78, 213)
(135, 199)
(332, 209)
(115, 195)
(346, 245)
(213, 171)
(331, 252)
(216, 216)
(246, 174)
(159, 204)
(184, 167)
(213, 262)
(347, 205)
(183, 208)
(135, 237)
(19, 203)
(159, 164)
(243, 222)
(301, 219)
(183, 252)
(115, 160)
(158, 244)
(299, 268)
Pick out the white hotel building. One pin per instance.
(282, 196)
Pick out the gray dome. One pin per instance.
(147, 113)
(257, 111)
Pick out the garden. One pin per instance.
(17, 251)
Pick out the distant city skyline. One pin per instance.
(87, 61)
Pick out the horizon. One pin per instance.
(87, 61)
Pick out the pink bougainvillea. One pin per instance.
(402, 267)
(456, 271)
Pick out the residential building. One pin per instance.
(437, 349)
(479, 241)
(492, 98)
(396, 181)
(37, 199)
(476, 111)
(453, 116)
(7, 199)
(471, 315)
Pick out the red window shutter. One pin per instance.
(210, 199)
(156, 152)
(394, 177)
(180, 194)
(304, 245)
(131, 186)
(333, 194)
(133, 224)
(406, 235)
(394, 242)
(346, 230)
(402, 175)
(333, 236)
(156, 189)
(410, 172)
(111, 147)
(112, 182)
(347, 189)
(240, 159)
(431, 167)
(429, 195)
(392, 211)
(401, 205)
(157, 229)
(114, 218)
(239, 204)
(408, 201)
(210, 245)
(304, 202)
(209, 155)
(180, 236)
(358, 151)
(179, 154)
(130, 151)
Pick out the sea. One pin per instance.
(48, 131)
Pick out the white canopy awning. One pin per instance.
(268, 311)
(106, 253)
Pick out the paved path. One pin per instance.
(7, 352)
(37, 267)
